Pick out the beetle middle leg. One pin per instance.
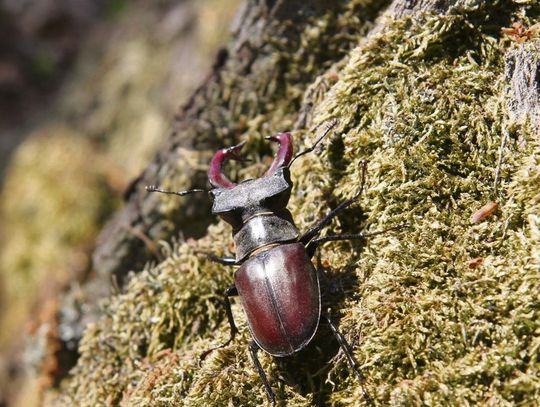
(229, 292)
(312, 245)
(253, 350)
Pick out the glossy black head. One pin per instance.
(235, 203)
(269, 194)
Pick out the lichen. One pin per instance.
(425, 103)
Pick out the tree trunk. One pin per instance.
(445, 108)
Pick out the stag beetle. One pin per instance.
(276, 281)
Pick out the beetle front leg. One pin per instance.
(314, 231)
(346, 348)
(225, 261)
(253, 350)
(229, 292)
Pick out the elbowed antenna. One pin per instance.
(284, 154)
(154, 188)
(329, 127)
(215, 173)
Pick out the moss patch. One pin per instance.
(43, 245)
(425, 103)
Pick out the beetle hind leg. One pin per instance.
(346, 348)
(253, 350)
(229, 292)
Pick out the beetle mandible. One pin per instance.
(277, 283)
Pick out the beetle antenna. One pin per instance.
(329, 127)
(154, 188)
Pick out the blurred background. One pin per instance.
(88, 89)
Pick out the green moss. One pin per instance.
(50, 217)
(425, 103)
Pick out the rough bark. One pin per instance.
(399, 9)
(523, 72)
(250, 84)
(204, 124)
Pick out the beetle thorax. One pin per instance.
(257, 211)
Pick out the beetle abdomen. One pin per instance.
(280, 293)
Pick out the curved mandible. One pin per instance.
(215, 172)
(284, 154)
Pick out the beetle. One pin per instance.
(276, 281)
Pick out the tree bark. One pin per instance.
(255, 87)
(523, 73)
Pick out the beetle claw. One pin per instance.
(284, 154)
(215, 173)
(235, 153)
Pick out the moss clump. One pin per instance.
(425, 103)
(54, 199)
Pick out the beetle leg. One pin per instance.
(312, 246)
(345, 347)
(314, 231)
(229, 292)
(253, 350)
(226, 260)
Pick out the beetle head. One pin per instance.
(269, 194)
